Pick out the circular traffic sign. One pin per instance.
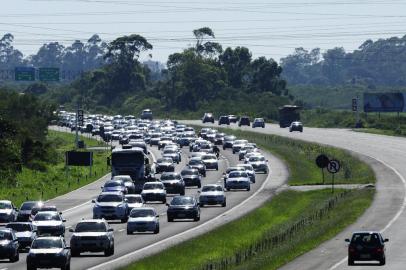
(322, 161)
(333, 166)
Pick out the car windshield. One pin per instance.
(164, 160)
(366, 239)
(182, 201)
(5, 235)
(112, 184)
(212, 188)
(170, 177)
(237, 174)
(47, 216)
(254, 158)
(169, 151)
(207, 157)
(195, 162)
(46, 243)
(28, 205)
(134, 199)
(189, 172)
(91, 227)
(240, 142)
(153, 186)
(110, 198)
(229, 138)
(19, 227)
(5, 205)
(136, 213)
(246, 166)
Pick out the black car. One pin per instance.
(258, 122)
(25, 210)
(164, 165)
(191, 177)
(197, 163)
(366, 246)
(49, 252)
(173, 183)
(183, 207)
(228, 142)
(219, 139)
(244, 121)
(25, 233)
(208, 117)
(296, 126)
(224, 120)
(9, 245)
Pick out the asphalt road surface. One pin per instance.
(387, 156)
(77, 205)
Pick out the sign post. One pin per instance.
(322, 162)
(333, 167)
(79, 122)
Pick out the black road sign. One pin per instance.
(80, 117)
(354, 104)
(333, 166)
(74, 158)
(322, 161)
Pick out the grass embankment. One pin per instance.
(54, 181)
(289, 225)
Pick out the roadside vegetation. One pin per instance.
(285, 227)
(53, 179)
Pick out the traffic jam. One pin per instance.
(154, 164)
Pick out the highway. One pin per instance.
(387, 156)
(77, 205)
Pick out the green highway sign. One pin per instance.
(48, 74)
(24, 74)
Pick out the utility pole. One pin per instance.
(77, 127)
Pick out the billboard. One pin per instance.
(384, 102)
(74, 158)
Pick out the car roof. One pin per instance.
(212, 185)
(111, 193)
(133, 195)
(156, 182)
(5, 201)
(143, 208)
(19, 222)
(49, 212)
(92, 220)
(366, 232)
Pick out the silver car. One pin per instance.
(212, 194)
(8, 212)
(144, 219)
(49, 223)
(259, 163)
(25, 233)
(154, 191)
(250, 171)
(134, 201)
(110, 205)
(238, 144)
(210, 161)
(92, 235)
(238, 180)
(128, 182)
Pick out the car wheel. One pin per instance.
(129, 232)
(201, 204)
(170, 219)
(16, 257)
(182, 193)
(227, 189)
(156, 231)
(224, 148)
(30, 267)
(75, 253)
(197, 218)
(199, 185)
(67, 267)
(164, 201)
(383, 261)
(124, 220)
(249, 188)
(350, 261)
(224, 204)
(217, 168)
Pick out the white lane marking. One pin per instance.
(3, 268)
(394, 219)
(77, 206)
(182, 233)
(121, 230)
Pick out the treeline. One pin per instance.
(23, 128)
(375, 63)
(203, 77)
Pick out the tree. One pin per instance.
(127, 48)
(49, 55)
(237, 65)
(204, 46)
(9, 57)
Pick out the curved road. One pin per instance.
(387, 156)
(76, 205)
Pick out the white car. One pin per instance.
(144, 219)
(212, 194)
(49, 223)
(210, 161)
(154, 191)
(134, 201)
(238, 144)
(250, 171)
(238, 180)
(259, 163)
(8, 212)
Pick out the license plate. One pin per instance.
(43, 261)
(365, 256)
(181, 215)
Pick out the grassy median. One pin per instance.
(289, 225)
(55, 180)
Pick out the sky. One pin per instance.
(268, 28)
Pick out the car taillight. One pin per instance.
(351, 250)
(379, 250)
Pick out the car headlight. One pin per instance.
(60, 254)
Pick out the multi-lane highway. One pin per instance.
(387, 156)
(77, 205)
